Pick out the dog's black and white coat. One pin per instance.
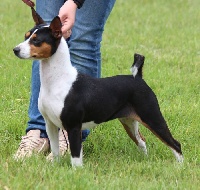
(74, 101)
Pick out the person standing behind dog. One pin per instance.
(84, 23)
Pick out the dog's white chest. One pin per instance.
(56, 83)
(51, 105)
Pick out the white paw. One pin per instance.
(142, 147)
(76, 162)
(178, 156)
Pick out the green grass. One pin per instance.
(167, 33)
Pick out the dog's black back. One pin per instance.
(88, 92)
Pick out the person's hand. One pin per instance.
(29, 3)
(67, 15)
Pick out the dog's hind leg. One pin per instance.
(132, 128)
(155, 122)
(164, 134)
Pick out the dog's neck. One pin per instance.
(57, 67)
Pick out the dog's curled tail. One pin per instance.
(138, 63)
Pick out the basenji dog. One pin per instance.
(74, 101)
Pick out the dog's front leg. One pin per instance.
(75, 142)
(52, 132)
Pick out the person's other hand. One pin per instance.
(29, 3)
(67, 15)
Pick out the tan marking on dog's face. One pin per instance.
(39, 49)
(43, 51)
(27, 35)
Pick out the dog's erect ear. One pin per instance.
(36, 17)
(56, 26)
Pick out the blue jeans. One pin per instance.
(84, 46)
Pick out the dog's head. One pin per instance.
(42, 41)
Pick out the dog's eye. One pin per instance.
(35, 41)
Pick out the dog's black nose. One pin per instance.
(16, 50)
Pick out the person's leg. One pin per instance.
(36, 120)
(84, 43)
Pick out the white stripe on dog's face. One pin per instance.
(25, 49)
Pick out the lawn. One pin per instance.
(167, 33)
